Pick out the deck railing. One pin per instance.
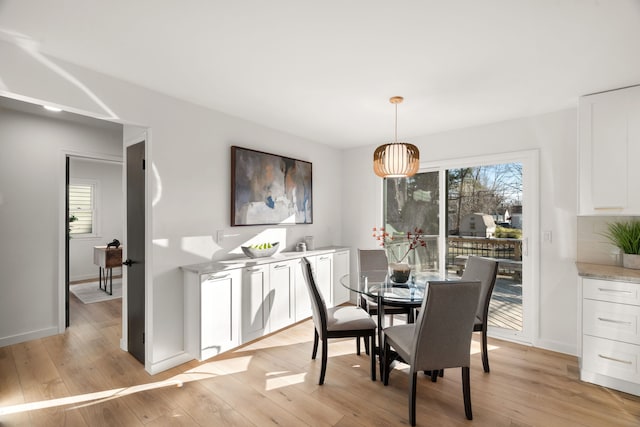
(502, 248)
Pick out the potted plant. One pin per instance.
(626, 236)
(398, 246)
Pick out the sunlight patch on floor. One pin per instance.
(281, 380)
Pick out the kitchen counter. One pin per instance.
(608, 272)
(218, 266)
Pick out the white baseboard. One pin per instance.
(28, 336)
(171, 362)
(556, 346)
(83, 277)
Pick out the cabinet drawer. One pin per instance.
(611, 320)
(607, 290)
(611, 358)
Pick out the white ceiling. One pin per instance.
(325, 70)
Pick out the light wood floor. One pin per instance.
(81, 378)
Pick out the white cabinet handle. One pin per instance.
(324, 257)
(280, 266)
(620, 322)
(219, 276)
(251, 270)
(618, 291)
(626, 362)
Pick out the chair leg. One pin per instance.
(315, 344)
(366, 345)
(325, 355)
(384, 373)
(485, 354)
(466, 391)
(434, 375)
(373, 357)
(412, 398)
(358, 346)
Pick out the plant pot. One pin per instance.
(399, 272)
(631, 261)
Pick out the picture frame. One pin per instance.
(269, 189)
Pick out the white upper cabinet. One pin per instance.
(608, 149)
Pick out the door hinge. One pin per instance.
(143, 338)
(144, 164)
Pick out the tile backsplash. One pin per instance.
(592, 246)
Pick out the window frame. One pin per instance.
(95, 207)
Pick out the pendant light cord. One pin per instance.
(396, 123)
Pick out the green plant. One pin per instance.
(625, 235)
(511, 233)
(413, 239)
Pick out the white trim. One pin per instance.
(168, 363)
(28, 336)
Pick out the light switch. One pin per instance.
(219, 236)
(546, 236)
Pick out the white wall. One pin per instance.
(554, 135)
(31, 180)
(188, 178)
(593, 247)
(109, 220)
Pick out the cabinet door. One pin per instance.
(324, 276)
(608, 139)
(340, 268)
(281, 293)
(219, 313)
(255, 302)
(302, 301)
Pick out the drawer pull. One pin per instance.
(253, 270)
(324, 257)
(626, 362)
(279, 266)
(619, 291)
(219, 276)
(620, 322)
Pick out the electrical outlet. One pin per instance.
(219, 236)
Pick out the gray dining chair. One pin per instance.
(373, 263)
(440, 338)
(336, 322)
(485, 270)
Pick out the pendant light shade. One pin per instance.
(397, 159)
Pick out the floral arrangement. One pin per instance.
(414, 238)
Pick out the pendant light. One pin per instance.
(397, 159)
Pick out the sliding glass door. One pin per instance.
(475, 207)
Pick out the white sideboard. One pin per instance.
(610, 328)
(229, 303)
(608, 146)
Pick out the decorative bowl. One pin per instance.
(260, 253)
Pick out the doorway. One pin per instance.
(94, 206)
(484, 206)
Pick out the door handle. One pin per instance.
(128, 262)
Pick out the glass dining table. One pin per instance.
(376, 285)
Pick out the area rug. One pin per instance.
(89, 293)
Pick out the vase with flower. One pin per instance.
(398, 246)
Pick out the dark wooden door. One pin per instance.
(135, 249)
(66, 244)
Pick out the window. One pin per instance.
(409, 204)
(82, 211)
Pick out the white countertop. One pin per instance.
(608, 272)
(241, 262)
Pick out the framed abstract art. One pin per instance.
(269, 189)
